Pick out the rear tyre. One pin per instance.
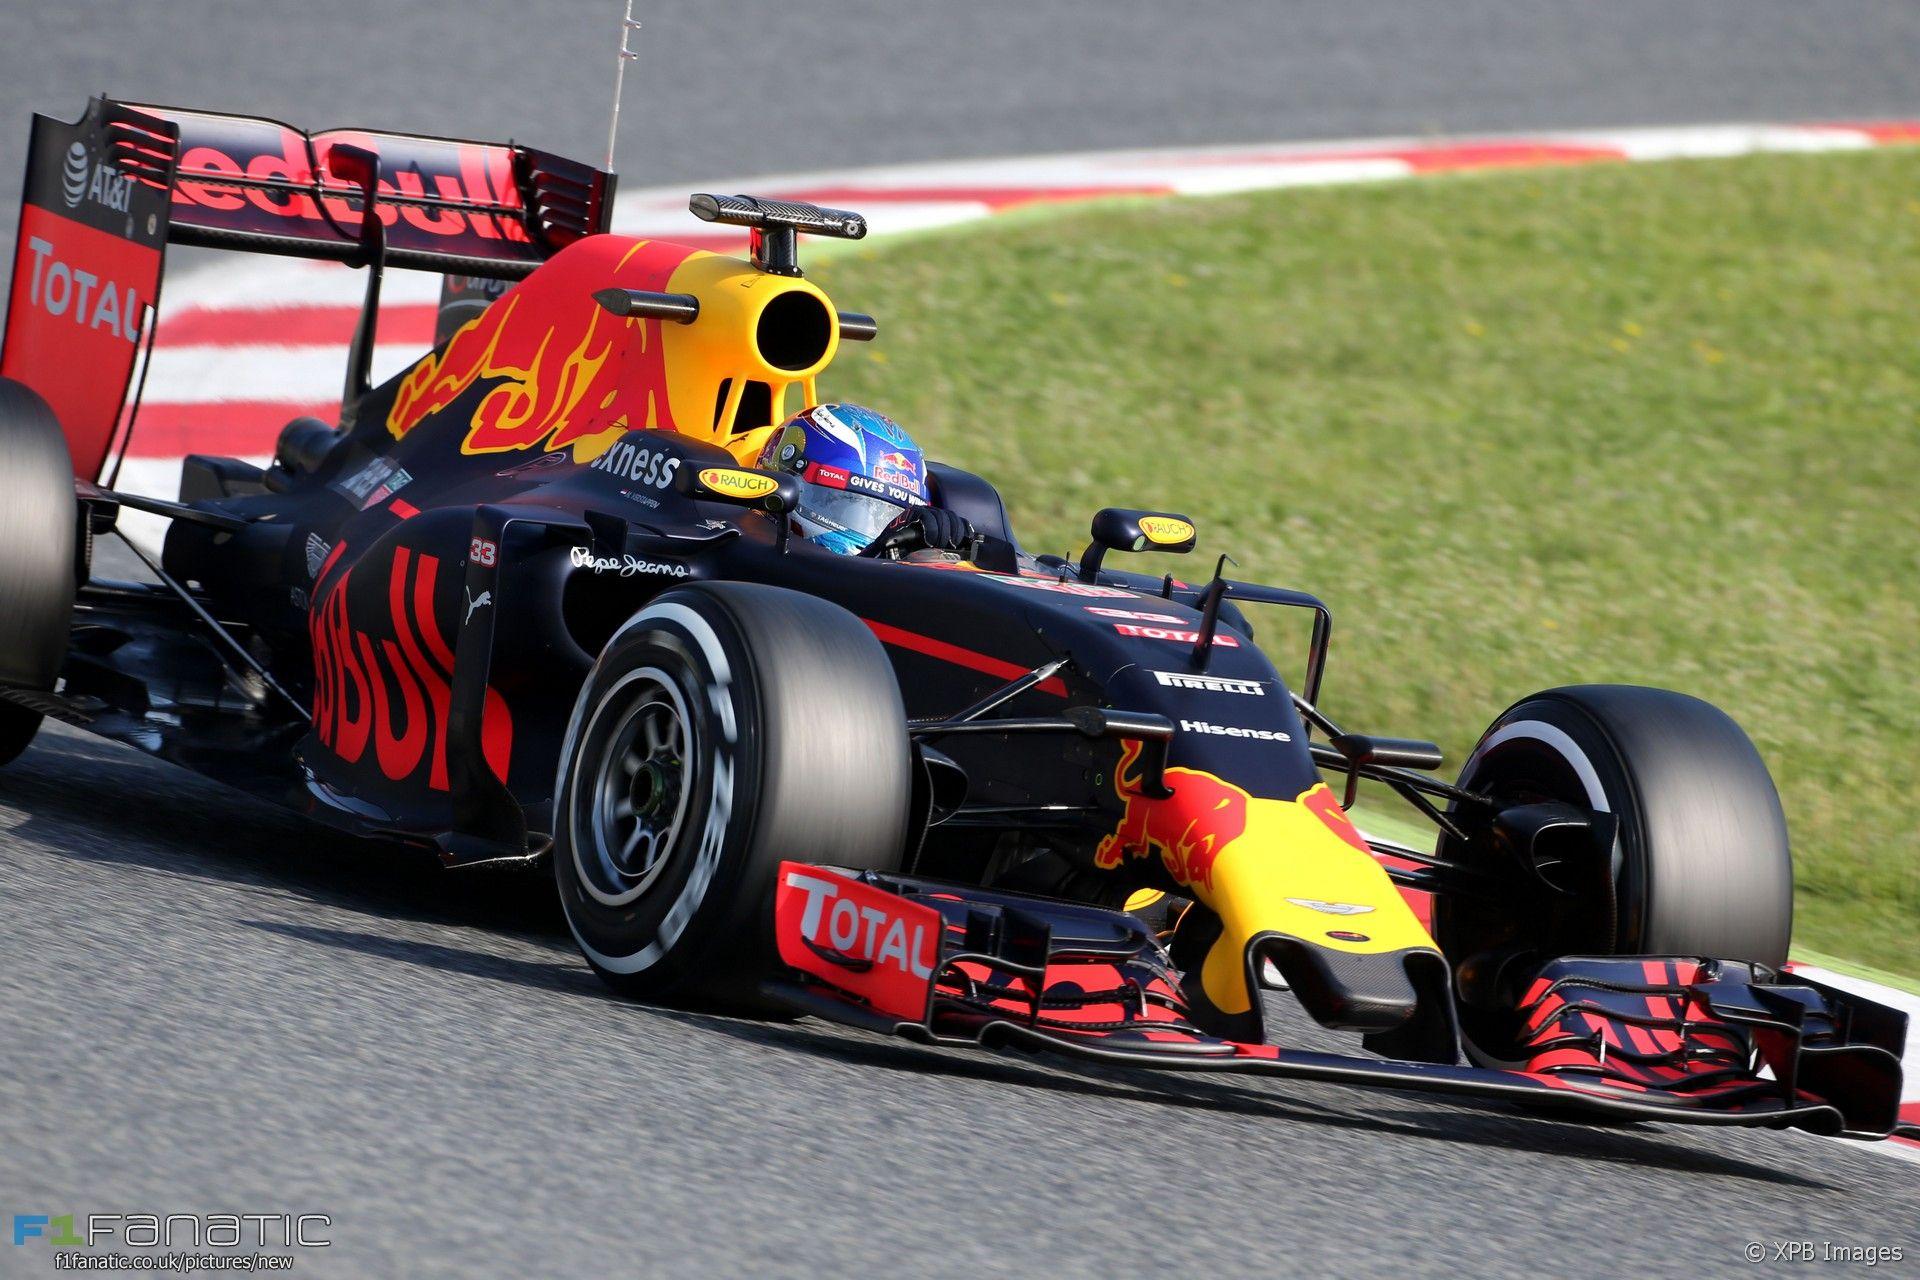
(725, 728)
(1700, 864)
(17, 728)
(39, 527)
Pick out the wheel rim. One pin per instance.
(629, 805)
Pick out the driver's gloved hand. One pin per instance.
(924, 528)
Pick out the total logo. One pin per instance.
(82, 179)
(1233, 731)
(867, 933)
(821, 474)
(1221, 639)
(1211, 684)
(642, 466)
(61, 289)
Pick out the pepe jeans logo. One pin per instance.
(626, 565)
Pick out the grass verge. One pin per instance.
(1648, 423)
(1853, 969)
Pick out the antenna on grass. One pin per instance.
(627, 27)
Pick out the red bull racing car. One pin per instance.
(534, 600)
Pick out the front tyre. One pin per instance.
(1700, 864)
(725, 728)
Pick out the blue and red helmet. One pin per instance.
(858, 471)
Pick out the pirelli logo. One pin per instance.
(1212, 684)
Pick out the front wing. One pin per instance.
(1683, 1040)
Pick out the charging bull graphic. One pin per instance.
(561, 368)
(1265, 867)
(393, 693)
(1187, 829)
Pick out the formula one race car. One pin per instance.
(533, 599)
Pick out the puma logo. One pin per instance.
(486, 598)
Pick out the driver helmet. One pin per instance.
(858, 471)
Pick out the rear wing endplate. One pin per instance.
(86, 267)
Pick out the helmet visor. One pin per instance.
(860, 514)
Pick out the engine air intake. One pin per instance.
(794, 331)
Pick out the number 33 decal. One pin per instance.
(483, 553)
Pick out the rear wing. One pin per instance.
(477, 208)
(106, 194)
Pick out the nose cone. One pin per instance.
(1298, 882)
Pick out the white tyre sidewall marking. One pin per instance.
(720, 803)
(1557, 738)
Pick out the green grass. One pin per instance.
(1651, 423)
(1900, 981)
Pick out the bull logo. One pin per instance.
(1189, 829)
(394, 695)
(557, 368)
(1321, 802)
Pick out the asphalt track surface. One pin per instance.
(207, 1005)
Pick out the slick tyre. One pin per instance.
(1700, 864)
(39, 529)
(725, 727)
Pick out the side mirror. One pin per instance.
(763, 490)
(1123, 529)
(1400, 753)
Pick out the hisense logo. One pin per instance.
(1233, 731)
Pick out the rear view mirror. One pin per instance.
(1124, 529)
(764, 490)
